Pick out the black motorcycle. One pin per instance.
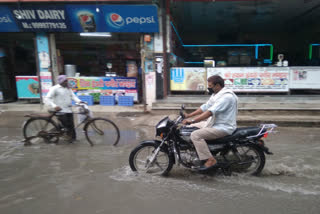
(242, 152)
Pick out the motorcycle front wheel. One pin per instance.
(140, 160)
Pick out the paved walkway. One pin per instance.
(283, 110)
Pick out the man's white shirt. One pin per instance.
(224, 109)
(62, 97)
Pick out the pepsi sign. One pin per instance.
(7, 22)
(131, 18)
(84, 18)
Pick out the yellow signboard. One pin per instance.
(188, 79)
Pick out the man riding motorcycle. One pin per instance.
(221, 111)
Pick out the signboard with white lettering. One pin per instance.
(40, 19)
(130, 18)
(79, 18)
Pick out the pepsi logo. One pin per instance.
(5, 19)
(115, 20)
(86, 19)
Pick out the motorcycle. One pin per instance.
(243, 151)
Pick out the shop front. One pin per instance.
(91, 61)
(246, 69)
(17, 59)
(97, 46)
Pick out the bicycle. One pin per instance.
(43, 126)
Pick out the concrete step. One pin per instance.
(280, 105)
(288, 120)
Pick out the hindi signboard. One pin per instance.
(253, 79)
(96, 86)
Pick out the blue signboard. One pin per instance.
(130, 18)
(7, 22)
(42, 19)
(80, 18)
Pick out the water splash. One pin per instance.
(295, 168)
(194, 182)
(272, 185)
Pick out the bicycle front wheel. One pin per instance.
(39, 129)
(102, 131)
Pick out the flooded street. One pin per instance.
(77, 178)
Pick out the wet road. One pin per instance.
(77, 178)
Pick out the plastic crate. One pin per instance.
(88, 99)
(107, 100)
(125, 100)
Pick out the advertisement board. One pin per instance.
(304, 77)
(96, 86)
(254, 79)
(130, 18)
(105, 83)
(27, 87)
(188, 79)
(79, 18)
(84, 18)
(44, 63)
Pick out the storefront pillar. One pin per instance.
(53, 57)
(44, 72)
(166, 40)
(148, 72)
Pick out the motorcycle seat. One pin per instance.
(238, 134)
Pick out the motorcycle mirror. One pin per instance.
(181, 110)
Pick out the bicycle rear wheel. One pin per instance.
(102, 131)
(40, 129)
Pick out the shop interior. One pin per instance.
(291, 26)
(117, 55)
(17, 59)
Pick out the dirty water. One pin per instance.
(77, 178)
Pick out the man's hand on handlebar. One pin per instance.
(186, 122)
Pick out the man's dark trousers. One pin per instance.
(66, 120)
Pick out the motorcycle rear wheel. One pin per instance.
(139, 160)
(253, 160)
